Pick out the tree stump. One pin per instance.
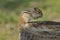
(42, 30)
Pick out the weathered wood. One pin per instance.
(26, 35)
(46, 22)
(45, 30)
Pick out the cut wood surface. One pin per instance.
(46, 22)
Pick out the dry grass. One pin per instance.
(8, 34)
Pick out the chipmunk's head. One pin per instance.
(35, 13)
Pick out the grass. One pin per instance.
(6, 34)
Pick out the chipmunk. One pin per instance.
(26, 16)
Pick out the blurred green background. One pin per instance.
(10, 10)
